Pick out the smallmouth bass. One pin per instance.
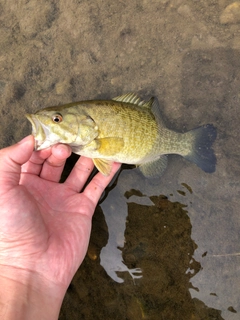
(125, 129)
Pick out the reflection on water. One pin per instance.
(140, 262)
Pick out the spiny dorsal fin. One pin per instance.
(155, 108)
(134, 99)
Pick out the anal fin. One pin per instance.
(154, 169)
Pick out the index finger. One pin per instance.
(34, 164)
(53, 166)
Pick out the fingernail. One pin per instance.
(63, 146)
(60, 148)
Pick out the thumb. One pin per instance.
(11, 160)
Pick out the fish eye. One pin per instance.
(57, 118)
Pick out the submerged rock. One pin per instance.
(231, 14)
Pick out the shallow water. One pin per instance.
(158, 252)
(159, 249)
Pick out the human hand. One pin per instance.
(44, 225)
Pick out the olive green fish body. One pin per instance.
(126, 133)
(125, 129)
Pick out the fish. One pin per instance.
(125, 129)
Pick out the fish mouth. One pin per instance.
(37, 131)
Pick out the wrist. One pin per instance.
(26, 295)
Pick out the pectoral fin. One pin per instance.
(154, 169)
(104, 166)
(109, 146)
(104, 146)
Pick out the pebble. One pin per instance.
(185, 11)
(92, 252)
(62, 87)
(231, 14)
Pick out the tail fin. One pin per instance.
(202, 154)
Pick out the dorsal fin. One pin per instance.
(156, 112)
(134, 99)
